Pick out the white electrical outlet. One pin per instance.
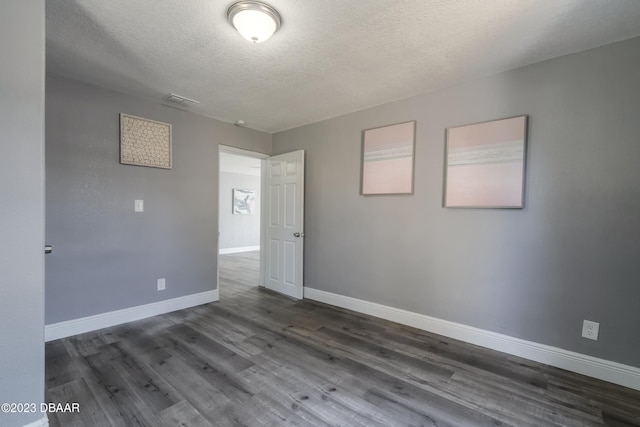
(162, 284)
(590, 330)
(138, 206)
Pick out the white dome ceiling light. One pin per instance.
(254, 20)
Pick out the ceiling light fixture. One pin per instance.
(254, 20)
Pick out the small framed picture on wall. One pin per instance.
(485, 164)
(244, 202)
(387, 159)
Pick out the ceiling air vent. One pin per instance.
(181, 100)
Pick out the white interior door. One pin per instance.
(284, 225)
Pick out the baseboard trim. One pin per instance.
(42, 422)
(239, 249)
(91, 323)
(602, 369)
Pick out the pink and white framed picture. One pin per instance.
(485, 164)
(387, 159)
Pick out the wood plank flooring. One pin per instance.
(256, 358)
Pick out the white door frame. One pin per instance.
(246, 153)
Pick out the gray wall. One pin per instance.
(535, 274)
(106, 257)
(238, 230)
(22, 207)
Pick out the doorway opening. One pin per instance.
(239, 220)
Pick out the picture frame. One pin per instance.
(387, 161)
(485, 164)
(145, 142)
(244, 201)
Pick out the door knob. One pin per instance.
(48, 249)
(298, 234)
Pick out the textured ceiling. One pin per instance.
(330, 57)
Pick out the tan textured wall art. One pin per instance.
(144, 142)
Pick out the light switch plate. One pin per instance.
(139, 206)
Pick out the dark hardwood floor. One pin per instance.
(256, 358)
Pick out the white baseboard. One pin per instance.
(42, 422)
(239, 249)
(602, 369)
(91, 323)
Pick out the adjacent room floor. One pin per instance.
(257, 358)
